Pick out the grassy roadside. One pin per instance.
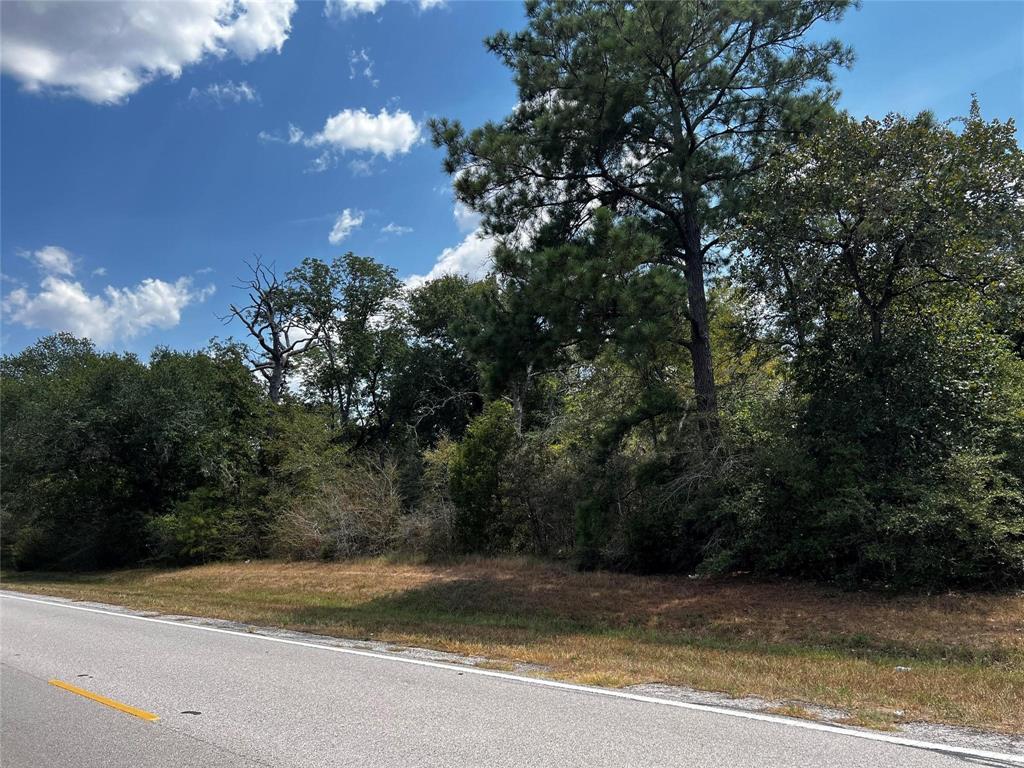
(787, 642)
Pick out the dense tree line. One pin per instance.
(727, 328)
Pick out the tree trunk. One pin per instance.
(700, 337)
(516, 394)
(276, 383)
(335, 385)
(518, 390)
(876, 327)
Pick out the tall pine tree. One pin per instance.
(656, 110)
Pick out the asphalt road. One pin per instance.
(262, 702)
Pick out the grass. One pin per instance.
(791, 643)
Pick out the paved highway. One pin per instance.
(225, 698)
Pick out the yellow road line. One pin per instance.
(105, 701)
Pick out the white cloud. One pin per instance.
(346, 9)
(361, 167)
(105, 51)
(356, 129)
(295, 136)
(62, 304)
(360, 63)
(53, 260)
(471, 257)
(257, 26)
(116, 314)
(466, 219)
(347, 221)
(343, 9)
(322, 162)
(228, 92)
(395, 229)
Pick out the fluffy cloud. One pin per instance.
(343, 9)
(347, 221)
(384, 134)
(356, 129)
(106, 51)
(63, 304)
(227, 92)
(256, 26)
(53, 260)
(466, 219)
(471, 257)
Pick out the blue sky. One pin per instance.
(140, 169)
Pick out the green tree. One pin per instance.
(872, 238)
(76, 451)
(883, 256)
(656, 110)
(868, 216)
(211, 420)
(509, 337)
(441, 386)
(364, 340)
(561, 303)
(97, 446)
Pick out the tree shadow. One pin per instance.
(473, 609)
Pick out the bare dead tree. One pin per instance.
(273, 319)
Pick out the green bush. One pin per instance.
(200, 529)
(920, 488)
(482, 522)
(964, 528)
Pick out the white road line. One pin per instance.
(792, 723)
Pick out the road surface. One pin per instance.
(228, 698)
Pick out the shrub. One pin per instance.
(357, 510)
(825, 510)
(200, 529)
(965, 528)
(431, 528)
(481, 520)
(540, 486)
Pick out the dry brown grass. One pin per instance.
(786, 642)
